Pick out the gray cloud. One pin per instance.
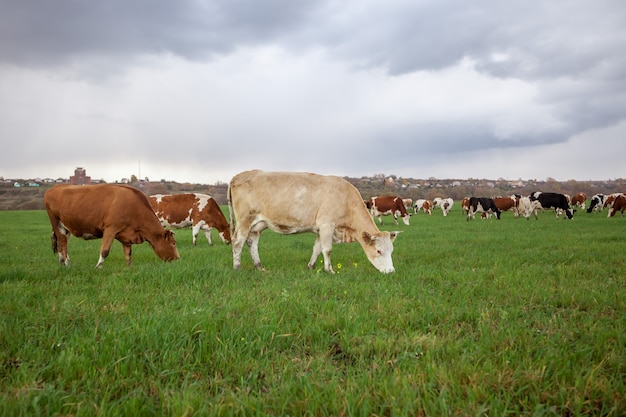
(361, 85)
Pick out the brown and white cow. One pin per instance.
(507, 203)
(445, 204)
(388, 205)
(297, 202)
(200, 211)
(424, 205)
(610, 199)
(408, 203)
(619, 204)
(465, 206)
(579, 200)
(107, 212)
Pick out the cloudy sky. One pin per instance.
(198, 90)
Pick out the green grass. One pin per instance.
(509, 317)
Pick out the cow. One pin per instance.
(596, 203)
(483, 205)
(526, 207)
(389, 205)
(200, 211)
(555, 201)
(507, 203)
(579, 200)
(610, 199)
(423, 204)
(297, 202)
(445, 204)
(618, 205)
(465, 205)
(408, 203)
(107, 212)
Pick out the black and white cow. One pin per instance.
(482, 205)
(555, 201)
(596, 203)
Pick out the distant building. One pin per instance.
(80, 177)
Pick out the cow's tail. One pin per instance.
(230, 211)
(55, 246)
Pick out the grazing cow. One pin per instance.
(596, 203)
(555, 201)
(408, 203)
(389, 205)
(424, 205)
(526, 207)
(610, 199)
(618, 205)
(482, 205)
(290, 202)
(109, 212)
(200, 211)
(465, 205)
(445, 204)
(508, 203)
(579, 200)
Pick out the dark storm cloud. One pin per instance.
(455, 77)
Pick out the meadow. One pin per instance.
(500, 318)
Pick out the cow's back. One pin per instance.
(290, 199)
(83, 209)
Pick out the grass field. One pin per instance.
(509, 317)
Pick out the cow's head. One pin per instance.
(378, 249)
(570, 213)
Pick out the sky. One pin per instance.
(199, 90)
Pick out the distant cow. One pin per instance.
(482, 205)
(408, 203)
(389, 205)
(610, 199)
(618, 205)
(507, 203)
(291, 202)
(579, 200)
(465, 205)
(596, 203)
(526, 207)
(424, 205)
(106, 212)
(445, 204)
(200, 211)
(555, 201)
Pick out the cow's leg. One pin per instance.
(128, 251)
(107, 241)
(317, 249)
(395, 219)
(324, 244)
(207, 233)
(237, 243)
(62, 237)
(253, 245)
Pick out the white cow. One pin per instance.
(297, 202)
(528, 207)
(445, 204)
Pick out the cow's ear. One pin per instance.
(368, 239)
(394, 235)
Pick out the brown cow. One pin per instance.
(579, 200)
(619, 204)
(106, 212)
(465, 205)
(389, 205)
(200, 211)
(507, 203)
(298, 202)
